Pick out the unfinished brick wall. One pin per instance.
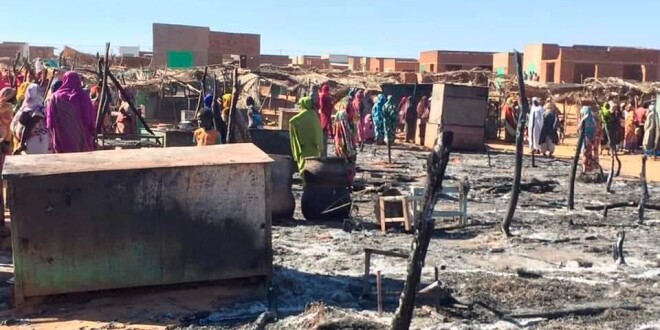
(400, 65)
(504, 63)
(278, 60)
(376, 64)
(41, 52)
(9, 50)
(224, 43)
(444, 60)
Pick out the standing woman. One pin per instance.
(345, 142)
(29, 124)
(549, 138)
(377, 115)
(630, 138)
(589, 148)
(70, 117)
(358, 106)
(390, 119)
(423, 111)
(411, 120)
(7, 99)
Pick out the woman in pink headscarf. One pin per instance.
(70, 117)
(358, 107)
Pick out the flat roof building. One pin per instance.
(574, 64)
(437, 61)
(179, 46)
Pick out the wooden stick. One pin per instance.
(619, 205)
(129, 101)
(231, 136)
(610, 176)
(14, 77)
(104, 68)
(575, 311)
(515, 188)
(576, 159)
(200, 99)
(645, 192)
(436, 167)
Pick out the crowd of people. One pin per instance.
(612, 125)
(360, 120)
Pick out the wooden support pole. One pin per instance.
(436, 167)
(231, 126)
(129, 101)
(14, 73)
(610, 176)
(104, 69)
(200, 99)
(645, 192)
(574, 165)
(517, 177)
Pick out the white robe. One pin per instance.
(536, 122)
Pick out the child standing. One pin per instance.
(206, 134)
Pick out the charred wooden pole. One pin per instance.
(104, 69)
(200, 99)
(14, 73)
(124, 95)
(436, 167)
(610, 177)
(515, 189)
(231, 126)
(645, 192)
(574, 166)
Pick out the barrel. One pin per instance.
(326, 190)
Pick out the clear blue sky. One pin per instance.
(364, 27)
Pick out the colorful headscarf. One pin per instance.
(306, 103)
(208, 100)
(589, 122)
(33, 98)
(226, 101)
(57, 83)
(20, 92)
(6, 94)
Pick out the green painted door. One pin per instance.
(177, 59)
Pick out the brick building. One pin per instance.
(554, 63)
(437, 61)
(504, 63)
(400, 65)
(185, 46)
(9, 49)
(375, 64)
(311, 61)
(277, 60)
(357, 63)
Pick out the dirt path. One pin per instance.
(630, 164)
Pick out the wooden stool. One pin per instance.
(405, 205)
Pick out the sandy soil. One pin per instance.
(319, 266)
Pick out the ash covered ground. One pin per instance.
(319, 266)
(570, 250)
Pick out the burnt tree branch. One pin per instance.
(574, 165)
(645, 192)
(436, 166)
(515, 188)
